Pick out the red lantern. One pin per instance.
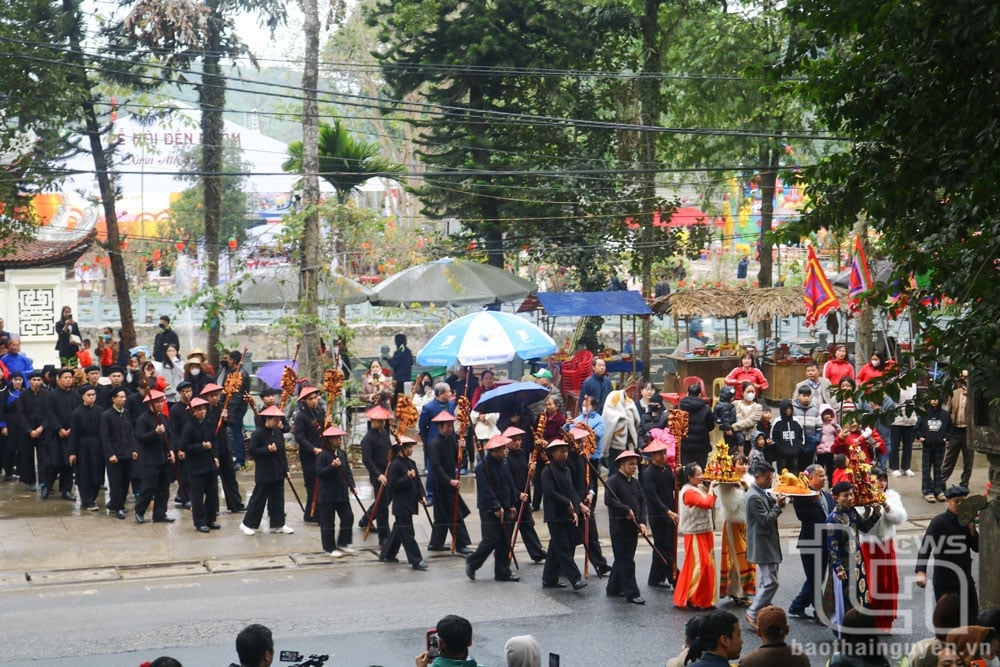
(156, 254)
(180, 246)
(232, 243)
(124, 244)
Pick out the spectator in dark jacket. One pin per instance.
(725, 417)
(401, 363)
(696, 445)
(788, 438)
(932, 432)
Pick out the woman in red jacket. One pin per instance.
(839, 367)
(873, 369)
(746, 372)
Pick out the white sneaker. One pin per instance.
(336, 553)
(287, 530)
(247, 530)
(896, 473)
(347, 551)
(910, 473)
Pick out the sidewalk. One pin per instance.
(53, 541)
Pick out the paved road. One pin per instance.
(80, 588)
(359, 611)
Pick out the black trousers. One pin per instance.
(559, 560)
(402, 534)
(496, 541)
(184, 482)
(528, 536)
(62, 473)
(88, 489)
(593, 540)
(8, 449)
(381, 514)
(443, 518)
(309, 477)
(273, 495)
(230, 487)
(663, 539)
(622, 579)
(325, 513)
(26, 460)
(814, 564)
(155, 487)
(119, 475)
(203, 491)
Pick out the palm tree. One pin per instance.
(344, 161)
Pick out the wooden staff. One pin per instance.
(539, 444)
(233, 386)
(406, 416)
(588, 447)
(462, 416)
(289, 378)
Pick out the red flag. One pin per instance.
(819, 296)
(861, 277)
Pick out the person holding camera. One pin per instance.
(448, 644)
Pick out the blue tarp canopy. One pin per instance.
(599, 304)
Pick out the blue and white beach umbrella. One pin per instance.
(488, 337)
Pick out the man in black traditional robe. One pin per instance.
(59, 406)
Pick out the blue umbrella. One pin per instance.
(487, 337)
(509, 398)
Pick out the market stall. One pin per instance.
(623, 303)
(781, 367)
(708, 361)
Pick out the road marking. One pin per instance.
(63, 594)
(167, 587)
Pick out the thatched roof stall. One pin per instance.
(706, 302)
(766, 303)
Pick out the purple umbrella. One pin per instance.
(270, 373)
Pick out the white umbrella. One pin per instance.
(451, 282)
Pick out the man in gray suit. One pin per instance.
(763, 545)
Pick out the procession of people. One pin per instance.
(130, 430)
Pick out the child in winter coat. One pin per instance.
(829, 431)
(761, 450)
(932, 431)
(725, 417)
(788, 438)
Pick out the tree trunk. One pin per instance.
(309, 245)
(650, 100)
(769, 156)
(102, 168)
(492, 230)
(864, 339)
(212, 101)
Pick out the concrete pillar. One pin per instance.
(986, 441)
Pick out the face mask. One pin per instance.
(750, 395)
(875, 363)
(195, 372)
(106, 336)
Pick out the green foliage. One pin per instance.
(914, 86)
(39, 104)
(345, 162)
(187, 218)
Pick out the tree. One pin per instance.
(181, 33)
(187, 220)
(912, 86)
(345, 162)
(467, 62)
